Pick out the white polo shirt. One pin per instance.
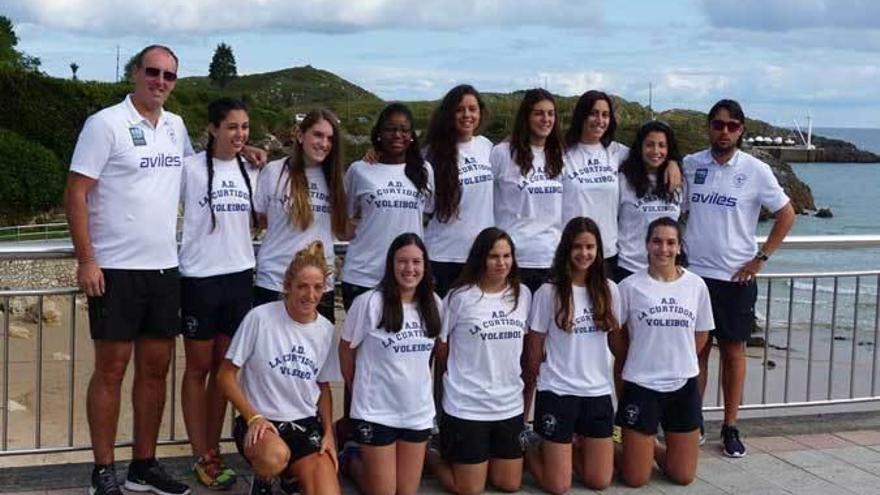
(133, 205)
(590, 188)
(528, 208)
(451, 241)
(725, 201)
(633, 218)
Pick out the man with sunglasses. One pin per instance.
(121, 201)
(726, 189)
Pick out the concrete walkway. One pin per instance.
(843, 462)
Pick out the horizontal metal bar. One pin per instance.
(63, 249)
(62, 291)
(787, 405)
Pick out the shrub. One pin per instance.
(32, 178)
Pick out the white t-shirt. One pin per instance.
(577, 362)
(528, 208)
(485, 335)
(282, 361)
(590, 187)
(725, 201)
(388, 204)
(392, 377)
(228, 248)
(133, 205)
(633, 219)
(451, 241)
(284, 238)
(661, 318)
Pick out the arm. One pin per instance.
(534, 354)
(701, 339)
(254, 155)
(781, 226)
(88, 273)
(618, 342)
(673, 176)
(228, 385)
(441, 357)
(325, 413)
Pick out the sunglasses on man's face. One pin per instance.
(731, 125)
(154, 72)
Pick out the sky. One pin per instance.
(782, 59)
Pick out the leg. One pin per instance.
(460, 479)
(269, 456)
(103, 396)
(316, 475)
(638, 458)
(733, 376)
(679, 458)
(506, 474)
(410, 461)
(215, 402)
(151, 359)
(703, 359)
(596, 460)
(375, 471)
(193, 399)
(551, 466)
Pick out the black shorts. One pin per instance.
(533, 277)
(377, 435)
(326, 306)
(136, 303)
(464, 441)
(559, 417)
(733, 305)
(619, 274)
(445, 273)
(303, 436)
(351, 291)
(679, 411)
(214, 305)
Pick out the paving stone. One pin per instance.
(855, 455)
(822, 441)
(808, 458)
(861, 437)
(773, 444)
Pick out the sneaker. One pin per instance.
(211, 472)
(261, 487)
(732, 445)
(617, 434)
(149, 476)
(290, 486)
(702, 434)
(104, 482)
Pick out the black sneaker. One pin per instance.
(290, 486)
(104, 482)
(732, 446)
(150, 477)
(702, 434)
(261, 487)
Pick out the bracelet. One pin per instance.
(254, 419)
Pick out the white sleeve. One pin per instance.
(361, 318)
(330, 364)
(429, 203)
(261, 190)
(351, 192)
(242, 346)
(616, 302)
(770, 193)
(449, 313)
(93, 148)
(187, 143)
(497, 158)
(705, 318)
(543, 309)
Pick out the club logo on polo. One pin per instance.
(739, 180)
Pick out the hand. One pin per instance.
(328, 446)
(256, 156)
(371, 156)
(673, 176)
(256, 431)
(749, 271)
(90, 278)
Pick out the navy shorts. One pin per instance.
(445, 273)
(733, 305)
(214, 305)
(559, 417)
(377, 435)
(136, 303)
(464, 441)
(351, 291)
(642, 409)
(303, 436)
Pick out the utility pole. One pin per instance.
(651, 99)
(117, 63)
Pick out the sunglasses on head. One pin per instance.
(166, 75)
(731, 125)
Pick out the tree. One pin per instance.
(9, 56)
(222, 68)
(129, 68)
(73, 68)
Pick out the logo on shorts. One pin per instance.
(548, 424)
(700, 175)
(190, 325)
(365, 432)
(739, 180)
(315, 439)
(631, 414)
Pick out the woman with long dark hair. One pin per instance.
(216, 267)
(478, 355)
(644, 195)
(384, 353)
(528, 185)
(666, 317)
(385, 199)
(569, 362)
(300, 199)
(463, 180)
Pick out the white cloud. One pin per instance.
(782, 15)
(211, 16)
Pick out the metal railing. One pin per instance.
(35, 232)
(820, 347)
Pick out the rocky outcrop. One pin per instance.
(799, 192)
(839, 151)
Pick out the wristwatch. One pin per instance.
(761, 255)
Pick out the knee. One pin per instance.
(198, 368)
(270, 459)
(110, 372)
(557, 488)
(469, 489)
(597, 482)
(681, 478)
(507, 485)
(635, 480)
(155, 369)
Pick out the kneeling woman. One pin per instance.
(385, 353)
(285, 350)
(570, 321)
(486, 313)
(660, 369)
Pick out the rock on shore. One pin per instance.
(799, 192)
